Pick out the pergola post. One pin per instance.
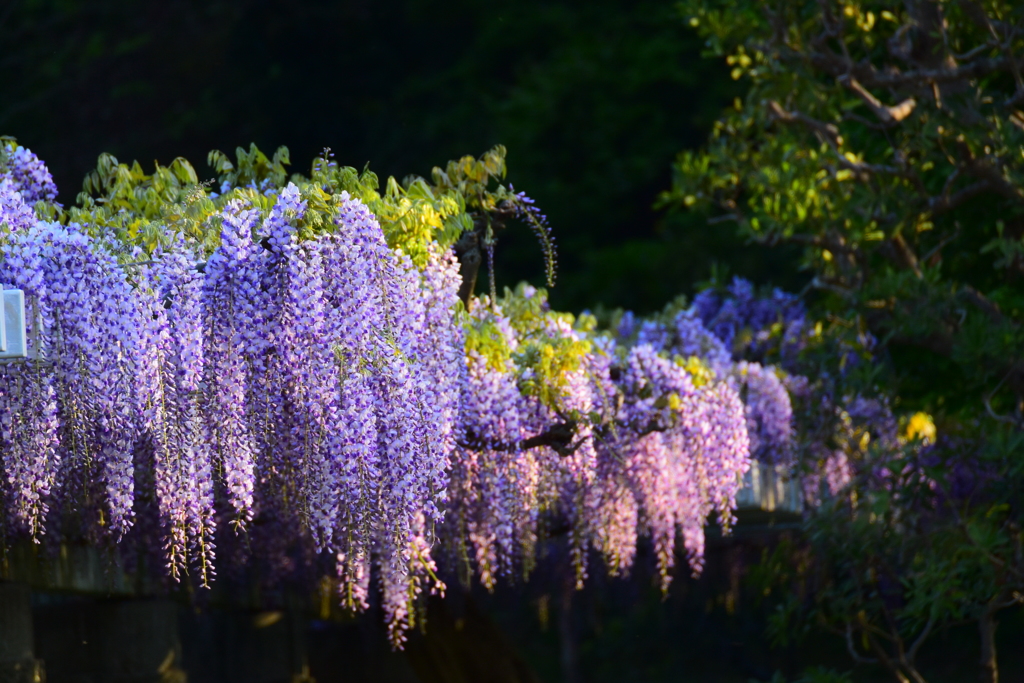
(17, 656)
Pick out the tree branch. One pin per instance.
(947, 202)
(558, 437)
(470, 254)
(870, 77)
(889, 116)
(987, 171)
(827, 131)
(852, 649)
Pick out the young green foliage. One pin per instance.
(886, 139)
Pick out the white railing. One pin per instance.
(770, 488)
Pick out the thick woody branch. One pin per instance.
(901, 255)
(469, 251)
(870, 77)
(983, 303)
(887, 115)
(559, 437)
(987, 170)
(826, 131)
(947, 202)
(471, 246)
(829, 133)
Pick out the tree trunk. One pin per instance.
(470, 254)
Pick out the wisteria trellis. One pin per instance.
(326, 385)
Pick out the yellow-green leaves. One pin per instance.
(919, 426)
(739, 62)
(550, 361)
(124, 203)
(253, 167)
(128, 204)
(549, 348)
(414, 216)
(485, 337)
(471, 177)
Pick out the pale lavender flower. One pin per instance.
(769, 412)
(30, 175)
(14, 212)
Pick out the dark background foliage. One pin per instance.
(592, 99)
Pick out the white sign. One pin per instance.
(13, 331)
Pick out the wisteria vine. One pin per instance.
(298, 379)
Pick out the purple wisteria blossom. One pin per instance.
(769, 412)
(310, 395)
(29, 445)
(693, 339)
(29, 174)
(398, 356)
(745, 323)
(14, 212)
(170, 296)
(89, 347)
(231, 334)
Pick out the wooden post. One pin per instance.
(17, 656)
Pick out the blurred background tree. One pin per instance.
(885, 139)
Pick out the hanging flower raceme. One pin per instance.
(693, 339)
(29, 443)
(310, 373)
(397, 359)
(172, 364)
(769, 412)
(232, 315)
(486, 506)
(15, 214)
(693, 441)
(751, 324)
(767, 403)
(604, 441)
(85, 354)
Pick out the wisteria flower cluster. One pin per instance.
(768, 409)
(527, 211)
(15, 214)
(630, 442)
(298, 385)
(748, 324)
(27, 172)
(828, 435)
(297, 392)
(767, 403)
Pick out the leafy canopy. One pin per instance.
(886, 140)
